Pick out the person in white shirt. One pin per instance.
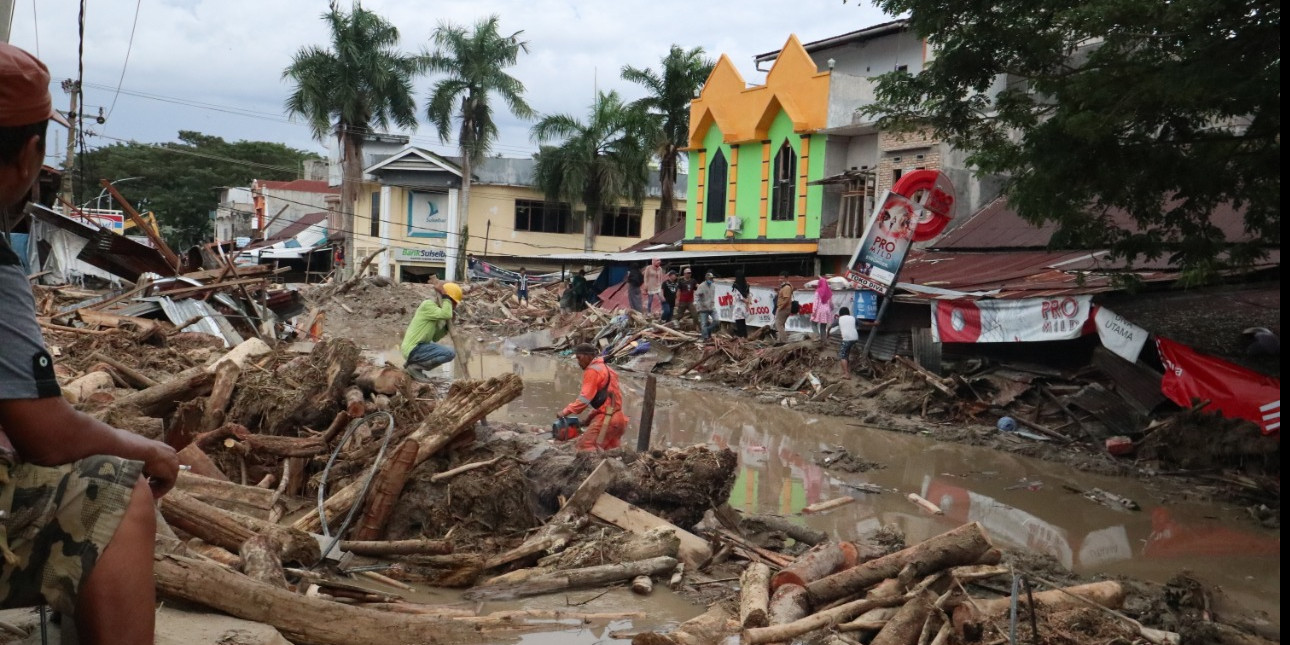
(846, 324)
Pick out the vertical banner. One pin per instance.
(1119, 335)
(886, 240)
(428, 214)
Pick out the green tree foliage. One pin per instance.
(670, 92)
(598, 162)
(474, 67)
(1161, 109)
(181, 182)
(362, 81)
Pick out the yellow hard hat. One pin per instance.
(452, 290)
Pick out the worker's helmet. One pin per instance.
(453, 290)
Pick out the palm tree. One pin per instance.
(670, 93)
(474, 65)
(362, 81)
(599, 162)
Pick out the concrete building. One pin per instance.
(278, 204)
(410, 199)
(793, 164)
(235, 214)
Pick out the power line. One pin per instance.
(35, 27)
(126, 62)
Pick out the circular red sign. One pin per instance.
(932, 191)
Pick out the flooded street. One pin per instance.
(1021, 501)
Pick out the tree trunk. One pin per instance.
(386, 488)
(1108, 593)
(381, 380)
(754, 596)
(803, 534)
(341, 221)
(906, 625)
(397, 547)
(694, 550)
(576, 579)
(667, 188)
(80, 389)
(161, 400)
(963, 545)
(226, 374)
(589, 228)
(820, 561)
(642, 585)
(303, 619)
(463, 217)
(788, 604)
(467, 402)
(230, 530)
(208, 489)
(193, 457)
(819, 620)
(261, 561)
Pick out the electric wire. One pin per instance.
(128, 48)
(35, 27)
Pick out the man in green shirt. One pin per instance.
(421, 349)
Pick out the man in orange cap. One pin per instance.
(76, 495)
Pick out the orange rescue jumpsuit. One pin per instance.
(604, 428)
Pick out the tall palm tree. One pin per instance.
(670, 93)
(597, 163)
(474, 64)
(362, 81)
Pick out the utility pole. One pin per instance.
(73, 88)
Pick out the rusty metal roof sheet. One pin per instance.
(997, 226)
(1013, 274)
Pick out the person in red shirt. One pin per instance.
(603, 429)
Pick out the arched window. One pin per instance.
(784, 185)
(718, 172)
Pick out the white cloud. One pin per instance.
(231, 53)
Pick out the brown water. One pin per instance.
(1020, 501)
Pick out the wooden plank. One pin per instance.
(104, 319)
(694, 549)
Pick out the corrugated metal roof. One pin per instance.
(212, 322)
(882, 29)
(998, 226)
(668, 236)
(596, 257)
(1013, 274)
(116, 254)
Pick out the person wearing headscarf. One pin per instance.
(822, 310)
(741, 304)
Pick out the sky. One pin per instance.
(215, 66)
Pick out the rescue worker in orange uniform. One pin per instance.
(603, 429)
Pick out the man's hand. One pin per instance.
(161, 468)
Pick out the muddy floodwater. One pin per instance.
(1021, 501)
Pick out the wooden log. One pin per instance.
(244, 351)
(905, 627)
(226, 374)
(922, 503)
(566, 521)
(285, 446)
(81, 388)
(963, 545)
(576, 579)
(889, 588)
(788, 604)
(303, 619)
(816, 563)
(829, 505)
(642, 585)
(826, 618)
(803, 534)
(381, 380)
(210, 489)
(262, 562)
(138, 380)
(230, 530)
(185, 424)
(466, 404)
(338, 425)
(754, 596)
(397, 547)
(104, 319)
(217, 553)
(678, 576)
(355, 403)
(161, 400)
(199, 463)
(448, 474)
(694, 549)
(386, 489)
(712, 626)
(1107, 593)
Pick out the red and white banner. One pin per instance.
(1231, 389)
(1006, 321)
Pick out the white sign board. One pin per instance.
(1119, 335)
(1006, 321)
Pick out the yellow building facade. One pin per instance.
(410, 203)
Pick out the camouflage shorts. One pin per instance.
(56, 522)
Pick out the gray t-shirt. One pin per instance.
(26, 368)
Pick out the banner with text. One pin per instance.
(1230, 389)
(428, 214)
(886, 241)
(1004, 321)
(1119, 335)
(759, 311)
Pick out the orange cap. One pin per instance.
(24, 89)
